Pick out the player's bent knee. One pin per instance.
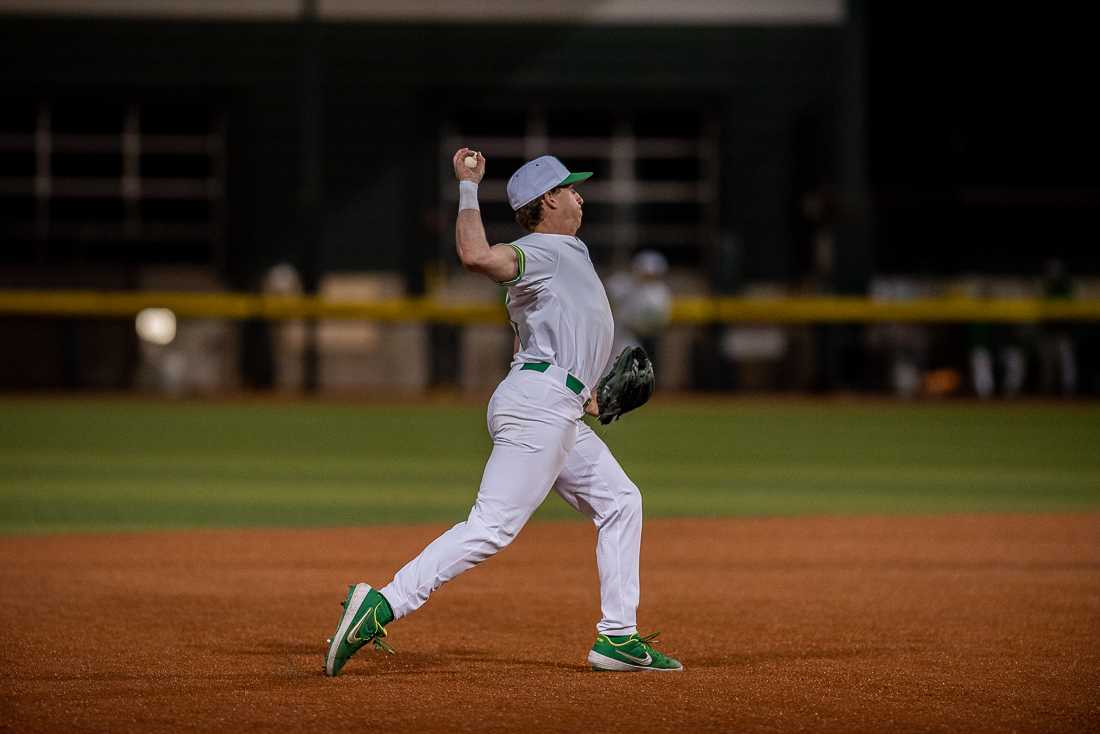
(500, 537)
(632, 502)
(626, 507)
(496, 533)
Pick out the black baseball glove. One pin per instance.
(626, 386)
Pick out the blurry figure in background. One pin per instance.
(641, 302)
(162, 368)
(288, 335)
(181, 358)
(987, 341)
(1057, 355)
(904, 346)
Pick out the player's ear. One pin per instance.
(550, 198)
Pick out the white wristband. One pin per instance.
(467, 195)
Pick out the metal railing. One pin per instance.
(703, 310)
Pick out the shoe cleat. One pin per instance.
(630, 653)
(366, 612)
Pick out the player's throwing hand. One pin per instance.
(464, 172)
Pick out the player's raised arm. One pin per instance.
(498, 262)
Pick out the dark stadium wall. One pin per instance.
(984, 156)
(386, 88)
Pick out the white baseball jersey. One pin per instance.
(558, 306)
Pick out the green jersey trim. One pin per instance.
(521, 266)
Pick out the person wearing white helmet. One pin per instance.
(564, 331)
(641, 301)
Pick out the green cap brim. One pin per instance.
(576, 178)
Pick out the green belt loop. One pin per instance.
(536, 366)
(570, 382)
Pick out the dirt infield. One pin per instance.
(980, 623)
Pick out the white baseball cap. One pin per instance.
(535, 178)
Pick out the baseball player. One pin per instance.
(641, 301)
(563, 324)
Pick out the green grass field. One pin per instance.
(97, 464)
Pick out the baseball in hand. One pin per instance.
(471, 161)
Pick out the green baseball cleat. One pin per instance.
(365, 614)
(630, 654)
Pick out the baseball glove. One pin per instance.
(627, 385)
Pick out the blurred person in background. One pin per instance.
(903, 348)
(641, 301)
(286, 337)
(991, 343)
(1057, 354)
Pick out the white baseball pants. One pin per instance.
(539, 442)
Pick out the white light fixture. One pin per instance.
(156, 325)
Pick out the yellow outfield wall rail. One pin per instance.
(685, 310)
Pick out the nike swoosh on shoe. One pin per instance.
(353, 633)
(640, 661)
